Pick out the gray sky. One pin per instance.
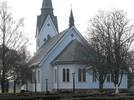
(83, 11)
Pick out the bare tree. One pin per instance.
(114, 35)
(100, 65)
(10, 37)
(21, 72)
(17, 68)
(25, 72)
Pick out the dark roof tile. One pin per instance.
(75, 52)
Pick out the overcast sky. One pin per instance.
(83, 11)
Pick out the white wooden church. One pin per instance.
(58, 63)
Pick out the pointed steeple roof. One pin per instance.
(71, 19)
(47, 7)
(47, 4)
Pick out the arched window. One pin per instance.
(108, 78)
(55, 75)
(94, 76)
(34, 76)
(66, 74)
(38, 76)
(79, 75)
(82, 75)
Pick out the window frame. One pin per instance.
(66, 75)
(55, 75)
(94, 79)
(108, 78)
(39, 76)
(81, 75)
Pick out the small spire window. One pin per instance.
(45, 39)
(48, 24)
(72, 35)
(48, 37)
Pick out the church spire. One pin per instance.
(71, 19)
(46, 10)
(47, 7)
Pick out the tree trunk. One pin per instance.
(3, 82)
(116, 89)
(26, 86)
(7, 86)
(101, 81)
(100, 86)
(35, 86)
(3, 59)
(14, 87)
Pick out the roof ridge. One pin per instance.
(57, 41)
(63, 32)
(38, 57)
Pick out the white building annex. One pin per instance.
(58, 62)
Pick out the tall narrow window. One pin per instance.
(33, 77)
(81, 75)
(84, 75)
(108, 78)
(66, 75)
(38, 76)
(55, 75)
(112, 78)
(94, 76)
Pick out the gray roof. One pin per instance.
(75, 52)
(47, 4)
(46, 48)
(41, 19)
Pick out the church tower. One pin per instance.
(47, 25)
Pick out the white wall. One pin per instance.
(45, 65)
(89, 84)
(48, 28)
(47, 70)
